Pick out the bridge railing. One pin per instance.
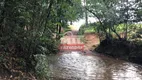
(71, 42)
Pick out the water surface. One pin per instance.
(77, 66)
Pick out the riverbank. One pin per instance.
(119, 49)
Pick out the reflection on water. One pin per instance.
(126, 72)
(76, 66)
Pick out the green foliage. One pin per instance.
(90, 28)
(138, 11)
(111, 13)
(27, 28)
(42, 68)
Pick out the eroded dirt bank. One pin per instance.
(118, 49)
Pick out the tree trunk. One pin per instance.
(86, 14)
(116, 34)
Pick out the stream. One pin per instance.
(75, 65)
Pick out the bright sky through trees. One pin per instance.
(82, 21)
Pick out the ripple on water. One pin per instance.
(75, 66)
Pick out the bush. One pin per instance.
(42, 68)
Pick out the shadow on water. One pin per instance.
(76, 66)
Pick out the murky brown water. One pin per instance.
(76, 66)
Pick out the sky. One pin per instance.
(82, 21)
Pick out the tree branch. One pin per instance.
(98, 19)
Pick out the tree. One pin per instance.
(138, 11)
(68, 11)
(105, 12)
(111, 13)
(27, 27)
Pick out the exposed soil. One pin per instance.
(91, 41)
(126, 50)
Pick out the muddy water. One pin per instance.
(77, 66)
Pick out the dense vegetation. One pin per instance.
(27, 28)
(119, 25)
(115, 15)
